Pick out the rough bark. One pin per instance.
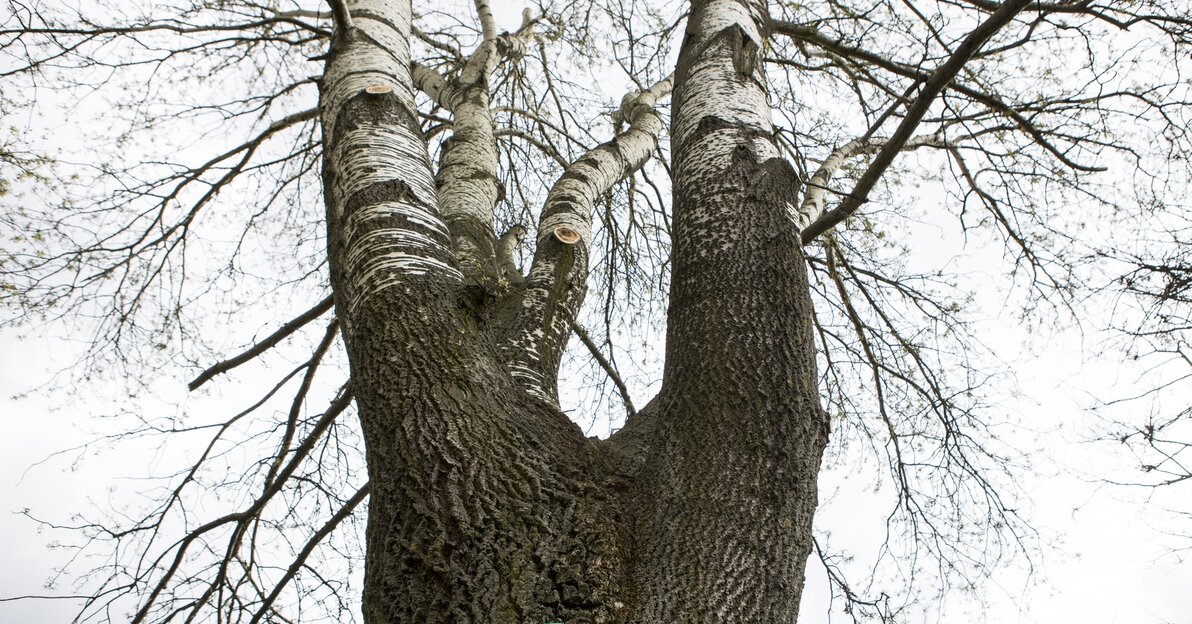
(724, 502)
(487, 504)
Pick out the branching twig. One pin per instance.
(914, 114)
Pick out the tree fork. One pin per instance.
(486, 505)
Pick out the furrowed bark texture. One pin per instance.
(726, 496)
(487, 504)
(557, 281)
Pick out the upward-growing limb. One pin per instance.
(556, 284)
(739, 431)
(483, 506)
(468, 188)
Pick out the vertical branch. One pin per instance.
(488, 26)
(555, 287)
(740, 429)
(383, 224)
(468, 188)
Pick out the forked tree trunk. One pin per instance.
(488, 504)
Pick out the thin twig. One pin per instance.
(605, 364)
(914, 114)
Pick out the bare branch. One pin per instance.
(914, 114)
(325, 530)
(866, 57)
(342, 16)
(268, 343)
(594, 349)
(812, 207)
(536, 340)
(241, 518)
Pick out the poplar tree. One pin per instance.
(458, 203)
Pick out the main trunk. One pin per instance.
(729, 487)
(488, 504)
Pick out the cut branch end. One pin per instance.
(567, 235)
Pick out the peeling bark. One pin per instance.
(487, 502)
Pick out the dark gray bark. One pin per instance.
(728, 490)
(487, 503)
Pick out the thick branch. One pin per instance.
(914, 114)
(740, 431)
(567, 214)
(434, 86)
(384, 227)
(468, 188)
(556, 283)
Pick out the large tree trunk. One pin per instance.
(488, 504)
(728, 491)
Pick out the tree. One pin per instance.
(1153, 294)
(485, 502)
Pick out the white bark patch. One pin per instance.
(481, 64)
(384, 269)
(377, 257)
(721, 14)
(371, 153)
(712, 86)
(714, 90)
(525, 353)
(401, 236)
(525, 366)
(416, 214)
(637, 104)
(434, 86)
(379, 54)
(468, 169)
(601, 169)
(531, 381)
